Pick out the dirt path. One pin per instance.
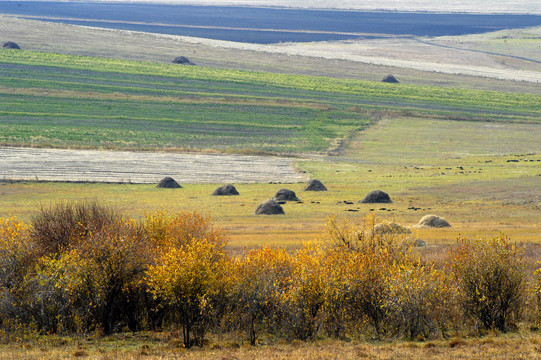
(142, 167)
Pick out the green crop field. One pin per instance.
(73, 101)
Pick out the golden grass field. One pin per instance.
(443, 168)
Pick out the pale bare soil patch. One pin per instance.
(142, 167)
(507, 55)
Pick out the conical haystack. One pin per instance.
(391, 228)
(225, 190)
(182, 60)
(375, 197)
(315, 185)
(168, 183)
(390, 79)
(11, 45)
(269, 207)
(432, 221)
(285, 195)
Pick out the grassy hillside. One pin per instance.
(74, 101)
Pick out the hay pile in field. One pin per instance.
(168, 183)
(285, 195)
(182, 60)
(225, 190)
(390, 79)
(11, 45)
(315, 185)
(432, 221)
(269, 207)
(375, 197)
(391, 228)
(419, 243)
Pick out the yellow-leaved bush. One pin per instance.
(189, 278)
(491, 280)
(261, 279)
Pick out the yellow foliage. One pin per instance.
(166, 230)
(15, 250)
(491, 280)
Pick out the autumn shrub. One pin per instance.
(490, 279)
(188, 277)
(17, 258)
(418, 301)
(167, 230)
(304, 300)
(363, 235)
(366, 289)
(261, 278)
(364, 266)
(59, 226)
(100, 276)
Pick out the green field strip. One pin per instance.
(478, 98)
(47, 99)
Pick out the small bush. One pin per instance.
(419, 299)
(17, 259)
(260, 281)
(304, 300)
(365, 236)
(99, 277)
(189, 278)
(167, 230)
(490, 277)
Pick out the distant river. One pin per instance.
(262, 25)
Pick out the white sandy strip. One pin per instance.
(468, 6)
(346, 50)
(142, 167)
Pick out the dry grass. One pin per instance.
(488, 195)
(161, 346)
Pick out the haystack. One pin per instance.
(182, 60)
(225, 190)
(168, 183)
(390, 79)
(376, 197)
(315, 185)
(269, 207)
(391, 228)
(432, 221)
(11, 45)
(419, 243)
(286, 195)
